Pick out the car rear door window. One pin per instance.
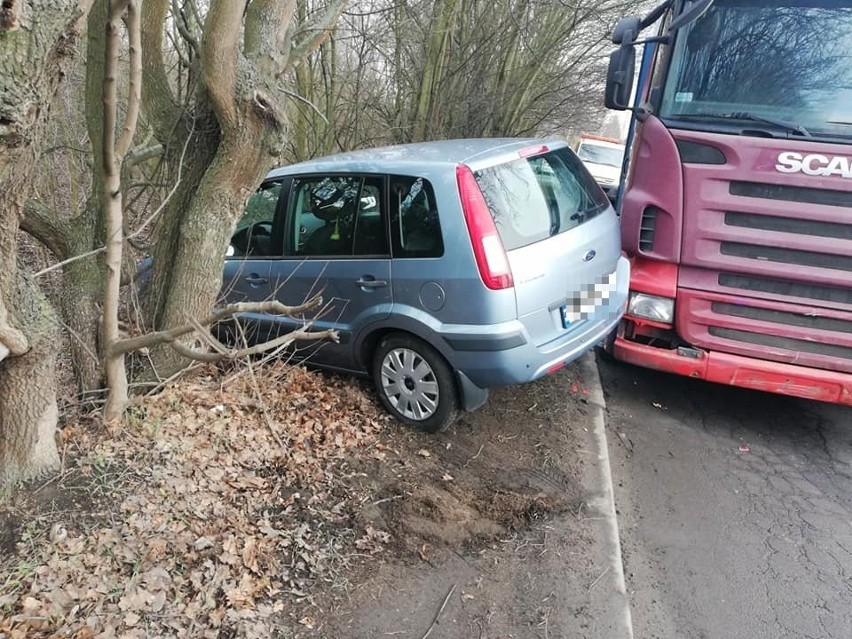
(415, 225)
(538, 197)
(337, 216)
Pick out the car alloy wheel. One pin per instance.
(415, 383)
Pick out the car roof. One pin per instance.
(473, 152)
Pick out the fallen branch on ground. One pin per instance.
(440, 610)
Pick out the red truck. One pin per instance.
(736, 193)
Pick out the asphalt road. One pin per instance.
(735, 509)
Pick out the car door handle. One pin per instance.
(256, 279)
(365, 283)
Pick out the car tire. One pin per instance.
(415, 384)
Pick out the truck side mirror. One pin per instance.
(619, 78)
(626, 30)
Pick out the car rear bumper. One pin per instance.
(526, 362)
(746, 372)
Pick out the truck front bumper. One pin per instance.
(735, 370)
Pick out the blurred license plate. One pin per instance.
(568, 316)
(588, 300)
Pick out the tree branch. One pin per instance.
(134, 98)
(220, 46)
(304, 100)
(158, 100)
(273, 307)
(135, 233)
(113, 155)
(268, 27)
(183, 28)
(46, 226)
(302, 334)
(317, 30)
(138, 155)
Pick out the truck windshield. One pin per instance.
(766, 61)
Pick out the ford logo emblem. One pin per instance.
(588, 257)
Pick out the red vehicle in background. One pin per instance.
(736, 196)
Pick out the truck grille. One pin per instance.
(814, 322)
(789, 225)
(782, 343)
(791, 193)
(767, 329)
(767, 273)
(786, 288)
(787, 256)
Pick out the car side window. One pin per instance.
(415, 224)
(255, 230)
(337, 216)
(371, 234)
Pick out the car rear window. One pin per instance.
(538, 197)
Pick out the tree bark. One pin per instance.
(33, 48)
(82, 282)
(113, 156)
(195, 275)
(28, 409)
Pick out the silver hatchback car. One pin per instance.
(452, 267)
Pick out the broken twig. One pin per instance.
(595, 582)
(478, 453)
(440, 610)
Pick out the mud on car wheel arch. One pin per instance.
(415, 383)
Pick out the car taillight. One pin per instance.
(488, 248)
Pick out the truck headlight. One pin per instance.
(652, 307)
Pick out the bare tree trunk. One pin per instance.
(33, 47)
(427, 110)
(196, 274)
(83, 286)
(28, 410)
(245, 49)
(113, 156)
(83, 280)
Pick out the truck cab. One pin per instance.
(735, 203)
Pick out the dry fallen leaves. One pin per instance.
(217, 520)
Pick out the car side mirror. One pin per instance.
(619, 78)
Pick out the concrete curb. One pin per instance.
(605, 503)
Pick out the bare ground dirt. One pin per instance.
(194, 520)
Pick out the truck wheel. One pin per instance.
(414, 383)
(606, 345)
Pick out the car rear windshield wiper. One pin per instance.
(745, 115)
